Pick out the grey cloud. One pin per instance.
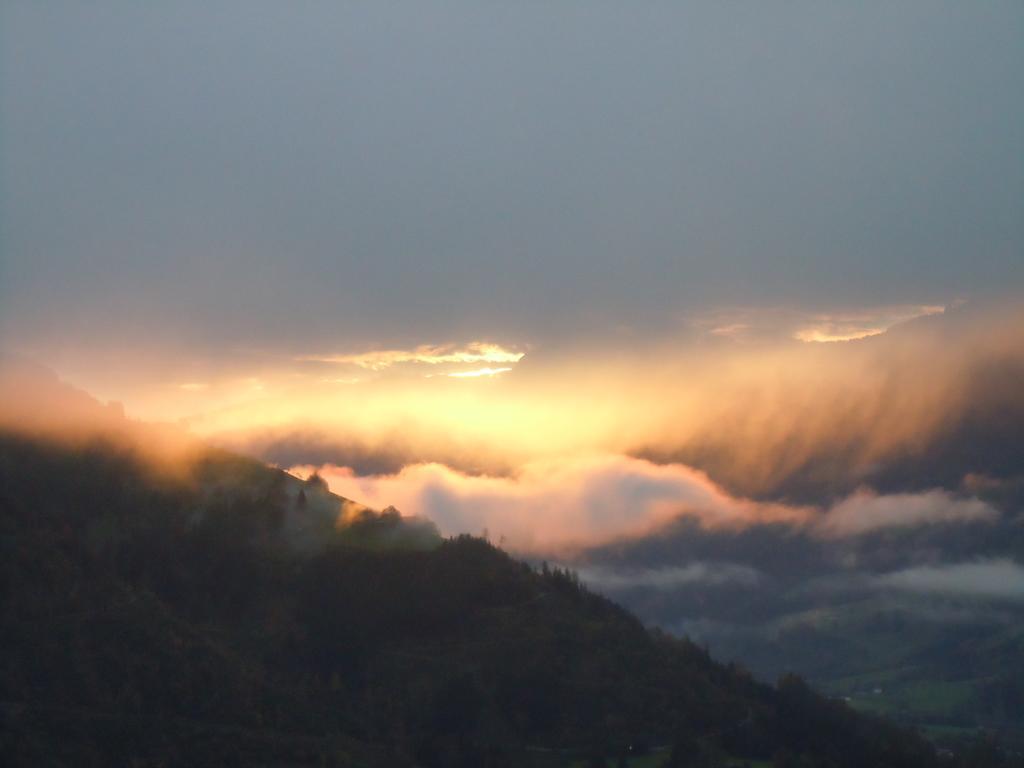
(260, 174)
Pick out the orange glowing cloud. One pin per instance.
(845, 324)
(378, 360)
(860, 325)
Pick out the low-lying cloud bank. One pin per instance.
(556, 503)
(996, 578)
(673, 577)
(586, 501)
(865, 512)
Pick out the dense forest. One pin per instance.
(226, 613)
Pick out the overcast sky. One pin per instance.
(320, 176)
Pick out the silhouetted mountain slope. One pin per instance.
(222, 612)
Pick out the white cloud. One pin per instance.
(555, 503)
(586, 500)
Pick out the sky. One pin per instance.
(487, 241)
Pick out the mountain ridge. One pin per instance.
(131, 600)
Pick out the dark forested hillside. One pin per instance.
(227, 613)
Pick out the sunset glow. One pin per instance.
(447, 384)
(749, 416)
